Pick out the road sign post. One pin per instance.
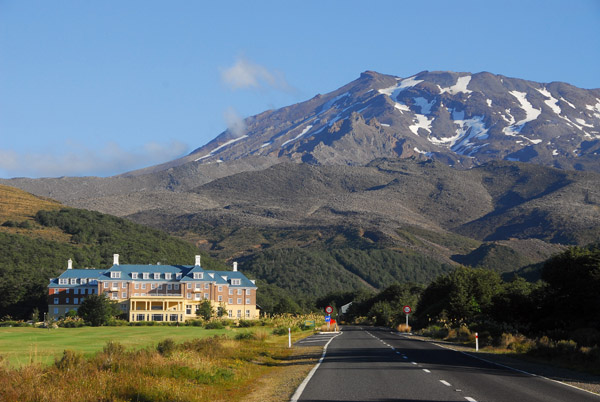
(407, 311)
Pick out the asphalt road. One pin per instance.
(377, 365)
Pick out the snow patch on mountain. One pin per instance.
(460, 86)
(393, 91)
(424, 105)
(211, 153)
(552, 102)
(421, 121)
(306, 129)
(530, 114)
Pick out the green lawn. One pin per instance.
(21, 346)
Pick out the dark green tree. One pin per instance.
(97, 310)
(205, 310)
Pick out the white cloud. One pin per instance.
(78, 160)
(246, 74)
(235, 123)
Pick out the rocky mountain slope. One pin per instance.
(459, 118)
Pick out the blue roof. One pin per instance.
(186, 274)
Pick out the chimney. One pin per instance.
(70, 264)
(235, 266)
(197, 261)
(115, 259)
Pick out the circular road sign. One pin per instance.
(329, 309)
(406, 309)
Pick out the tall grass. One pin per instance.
(195, 370)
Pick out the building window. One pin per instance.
(137, 285)
(231, 291)
(67, 301)
(160, 287)
(63, 281)
(145, 275)
(248, 292)
(76, 301)
(141, 317)
(168, 275)
(115, 275)
(156, 275)
(68, 291)
(239, 313)
(73, 281)
(197, 296)
(189, 285)
(230, 300)
(134, 275)
(247, 300)
(152, 286)
(143, 286)
(76, 291)
(239, 291)
(189, 295)
(236, 281)
(220, 298)
(188, 309)
(198, 275)
(239, 301)
(178, 275)
(115, 285)
(220, 288)
(55, 310)
(206, 296)
(198, 285)
(174, 317)
(114, 296)
(169, 287)
(247, 313)
(206, 286)
(123, 285)
(56, 300)
(136, 294)
(229, 313)
(123, 295)
(157, 317)
(83, 281)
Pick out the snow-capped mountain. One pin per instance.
(460, 118)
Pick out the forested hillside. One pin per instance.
(37, 237)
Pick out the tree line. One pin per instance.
(564, 304)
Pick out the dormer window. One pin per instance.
(198, 275)
(178, 275)
(168, 275)
(146, 275)
(115, 274)
(134, 275)
(63, 281)
(83, 281)
(236, 281)
(73, 281)
(156, 275)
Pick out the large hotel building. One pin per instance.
(168, 293)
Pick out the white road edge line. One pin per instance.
(427, 371)
(507, 367)
(301, 387)
(446, 383)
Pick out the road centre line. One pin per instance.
(427, 371)
(446, 383)
(468, 398)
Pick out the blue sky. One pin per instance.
(103, 87)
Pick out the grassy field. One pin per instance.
(22, 346)
(151, 364)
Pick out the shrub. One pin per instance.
(247, 323)
(214, 325)
(244, 335)
(260, 335)
(69, 360)
(403, 328)
(280, 331)
(436, 331)
(166, 347)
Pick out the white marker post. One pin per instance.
(476, 342)
(289, 338)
